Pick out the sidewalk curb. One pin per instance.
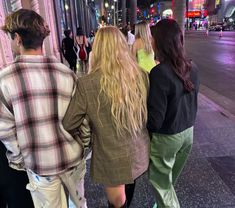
(219, 108)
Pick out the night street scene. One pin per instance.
(117, 103)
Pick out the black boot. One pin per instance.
(123, 206)
(129, 190)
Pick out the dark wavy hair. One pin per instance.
(169, 47)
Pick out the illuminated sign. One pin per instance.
(193, 14)
(217, 2)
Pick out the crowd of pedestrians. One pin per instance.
(135, 108)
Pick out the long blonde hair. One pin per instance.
(122, 80)
(142, 31)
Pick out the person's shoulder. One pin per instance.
(62, 68)
(160, 68)
(91, 76)
(7, 70)
(90, 80)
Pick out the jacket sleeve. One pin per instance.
(8, 132)
(157, 100)
(76, 111)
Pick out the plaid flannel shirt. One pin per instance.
(35, 92)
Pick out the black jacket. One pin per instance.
(68, 48)
(171, 109)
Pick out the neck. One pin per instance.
(37, 51)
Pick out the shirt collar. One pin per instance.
(36, 59)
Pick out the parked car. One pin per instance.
(216, 27)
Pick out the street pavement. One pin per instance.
(208, 179)
(215, 58)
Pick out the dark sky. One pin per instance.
(144, 3)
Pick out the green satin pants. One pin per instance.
(168, 154)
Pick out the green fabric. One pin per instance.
(145, 61)
(168, 154)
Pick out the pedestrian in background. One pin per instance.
(113, 97)
(172, 107)
(82, 53)
(35, 93)
(69, 50)
(142, 48)
(130, 38)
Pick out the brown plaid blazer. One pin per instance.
(114, 160)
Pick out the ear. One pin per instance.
(18, 39)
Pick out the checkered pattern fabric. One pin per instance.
(35, 93)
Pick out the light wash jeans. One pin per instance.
(52, 191)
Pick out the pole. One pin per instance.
(133, 12)
(179, 12)
(123, 13)
(187, 18)
(117, 10)
(113, 7)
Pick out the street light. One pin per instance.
(66, 7)
(106, 4)
(112, 7)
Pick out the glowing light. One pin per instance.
(66, 7)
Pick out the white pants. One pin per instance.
(51, 191)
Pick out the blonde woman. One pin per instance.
(113, 98)
(142, 48)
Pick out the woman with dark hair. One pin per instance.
(68, 50)
(172, 107)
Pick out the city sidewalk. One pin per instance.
(208, 179)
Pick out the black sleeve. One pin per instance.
(157, 99)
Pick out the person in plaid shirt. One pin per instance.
(35, 92)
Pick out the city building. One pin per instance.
(220, 10)
(59, 15)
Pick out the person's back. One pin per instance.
(145, 60)
(181, 105)
(142, 47)
(69, 50)
(39, 89)
(172, 107)
(113, 96)
(68, 44)
(35, 93)
(103, 126)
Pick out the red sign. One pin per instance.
(193, 14)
